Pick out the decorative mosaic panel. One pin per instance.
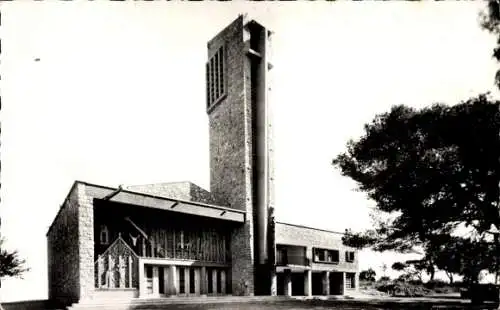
(117, 267)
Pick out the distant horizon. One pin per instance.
(114, 94)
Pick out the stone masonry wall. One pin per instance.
(177, 190)
(230, 151)
(86, 242)
(310, 237)
(202, 195)
(63, 253)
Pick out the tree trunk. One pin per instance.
(433, 273)
(450, 276)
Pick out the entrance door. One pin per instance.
(298, 284)
(317, 284)
(216, 281)
(182, 280)
(161, 280)
(280, 284)
(192, 281)
(149, 280)
(336, 283)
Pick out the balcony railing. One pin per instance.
(283, 260)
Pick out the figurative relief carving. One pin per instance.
(113, 270)
(134, 239)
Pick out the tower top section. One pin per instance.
(228, 53)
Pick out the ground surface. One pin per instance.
(329, 304)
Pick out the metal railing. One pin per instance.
(283, 260)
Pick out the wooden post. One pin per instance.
(130, 272)
(121, 270)
(100, 270)
(111, 265)
(173, 244)
(167, 248)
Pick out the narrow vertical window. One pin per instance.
(215, 77)
(212, 80)
(104, 235)
(182, 281)
(192, 281)
(210, 288)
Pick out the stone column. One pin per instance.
(85, 228)
(166, 280)
(203, 280)
(141, 280)
(156, 284)
(187, 281)
(274, 284)
(173, 280)
(356, 281)
(308, 283)
(197, 281)
(214, 281)
(288, 282)
(223, 282)
(326, 283)
(343, 283)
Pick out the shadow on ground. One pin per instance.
(325, 304)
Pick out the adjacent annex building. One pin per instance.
(179, 239)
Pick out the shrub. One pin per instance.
(403, 289)
(442, 287)
(384, 279)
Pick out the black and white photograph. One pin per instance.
(249, 155)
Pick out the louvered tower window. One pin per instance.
(216, 77)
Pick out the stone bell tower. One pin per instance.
(241, 149)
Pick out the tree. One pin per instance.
(10, 263)
(490, 20)
(367, 275)
(411, 270)
(430, 169)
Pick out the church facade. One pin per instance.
(179, 239)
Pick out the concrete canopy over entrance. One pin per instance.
(165, 203)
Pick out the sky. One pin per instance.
(118, 97)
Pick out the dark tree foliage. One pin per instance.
(490, 20)
(466, 257)
(10, 263)
(432, 168)
(368, 275)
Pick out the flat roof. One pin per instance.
(312, 228)
(130, 197)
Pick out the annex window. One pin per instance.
(104, 235)
(215, 77)
(332, 256)
(350, 281)
(349, 256)
(326, 256)
(182, 281)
